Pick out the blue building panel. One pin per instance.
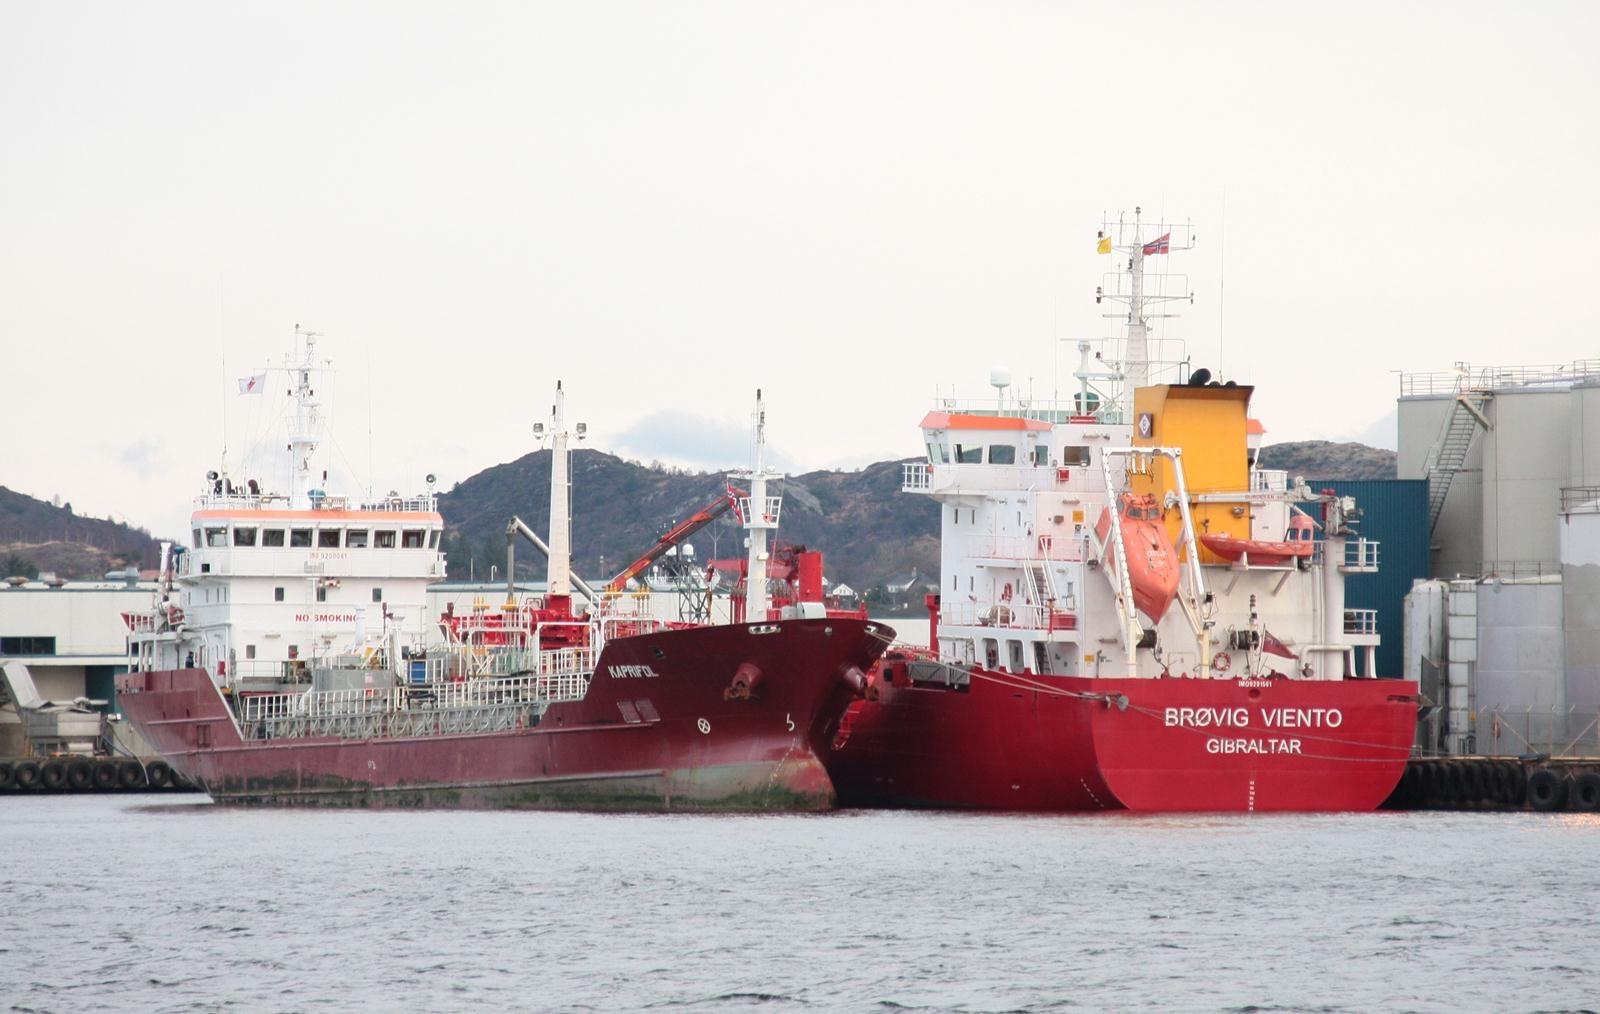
(1395, 515)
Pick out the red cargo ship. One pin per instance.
(1091, 649)
(292, 660)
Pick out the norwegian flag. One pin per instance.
(1159, 246)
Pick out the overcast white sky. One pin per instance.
(669, 204)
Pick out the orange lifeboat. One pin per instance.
(1152, 560)
(1296, 545)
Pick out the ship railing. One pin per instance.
(1014, 615)
(916, 477)
(314, 704)
(1361, 622)
(958, 476)
(762, 514)
(1064, 549)
(1360, 555)
(240, 500)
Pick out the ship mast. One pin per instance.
(307, 420)
(1136, 360)
(560, 555)
(760, 517)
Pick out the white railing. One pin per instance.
(434, 697)
(766, 512)
(916, 477)
(1063, 549)
(1007, 615)
(1363, 622)
(1361, 555)
(237, 500)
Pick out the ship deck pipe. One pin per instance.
(516, 525)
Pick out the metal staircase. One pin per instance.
(1450, 452)
(1041, 584)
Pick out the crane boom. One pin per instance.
(707, 514)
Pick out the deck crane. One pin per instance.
(724, 502)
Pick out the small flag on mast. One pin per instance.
(1104, 246)
(1159, 246)
(253, 384)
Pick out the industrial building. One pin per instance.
(1504, 638)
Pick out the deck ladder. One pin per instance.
(1450, 452)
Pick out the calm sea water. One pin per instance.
(113, 903)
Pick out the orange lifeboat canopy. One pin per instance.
(1152, 559)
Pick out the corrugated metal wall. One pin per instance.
(1395, 513)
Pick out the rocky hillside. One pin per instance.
(870, 532)
(1325, 460)
(38, 536)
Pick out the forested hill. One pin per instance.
(37, 535)
(869, 530)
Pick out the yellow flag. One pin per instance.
(1104, 245)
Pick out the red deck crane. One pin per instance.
(726, 501)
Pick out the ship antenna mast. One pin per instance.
(760, 517)
(307, 420)
(560, 555)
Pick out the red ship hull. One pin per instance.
(708, 749)
(1007, 742)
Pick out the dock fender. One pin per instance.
(1547, 791)
(26, 775)
(7, 775)
(130, 775)
(158, 774)
(105, 775)
(1584, 792)
(1515, 781)
(53, 775)
(80, 774)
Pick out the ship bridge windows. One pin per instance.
(969, 455)
(1041, 454)
(197, 542)
(383, 539)
(272, 537)
(1075, 457)
(244, 536)
(1002, 454)
(938, 452)
(355, 538)
(411, 538)
(328, 538)
(300, 538)
(217, 536)
(433, 539)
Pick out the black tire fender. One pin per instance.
(8, 775)
(105, 775)
(1547, 791)
(1584, 792)
(26, 775)
(80, 775)
(158, 774)
(53, 775)
(130, 775)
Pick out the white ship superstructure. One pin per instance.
(1043, 568)
(275, 586)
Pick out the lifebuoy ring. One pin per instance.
(1220, 662)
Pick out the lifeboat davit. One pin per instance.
(1296, 545)
(1152, 559)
